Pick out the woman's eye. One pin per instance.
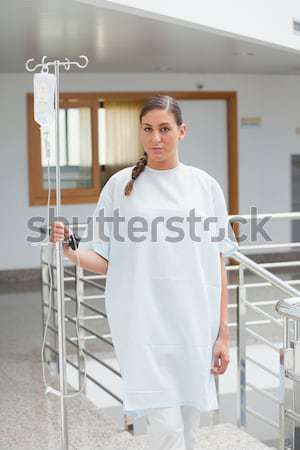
(162, 130)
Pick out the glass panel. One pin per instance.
(75, 150)
(295, 159)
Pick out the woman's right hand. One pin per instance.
(59, 232)
(85, 258)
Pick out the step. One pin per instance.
(224, 436)
(31, 421)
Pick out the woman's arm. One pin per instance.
(221, 346)
(223, 329)
(88, 259)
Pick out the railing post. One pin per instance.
(54, 303)
(284, 363)
(52, 299)
(241, 349)
(81, 333)
(216, 413)
(296, 384)
(46, 299)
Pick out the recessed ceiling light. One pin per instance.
(296, 26)
(163, 69)
(243, 53)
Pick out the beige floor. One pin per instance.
(30, 420)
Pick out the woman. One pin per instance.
(166, 295)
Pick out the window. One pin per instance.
(98, 137)
(80, 181)
(75, 150)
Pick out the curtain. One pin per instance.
(123, 147)
(85, 138)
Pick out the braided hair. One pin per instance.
(138, 168)
(163, 102)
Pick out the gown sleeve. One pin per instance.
(100, 225)
(227, 241)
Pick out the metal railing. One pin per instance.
(289, 309)
(85, 332)
(89, 313)
(244, 328)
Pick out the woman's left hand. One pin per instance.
(221, 356)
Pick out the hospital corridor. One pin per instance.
(150, 228)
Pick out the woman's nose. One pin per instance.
(156, 137)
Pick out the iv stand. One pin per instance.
(59, 245)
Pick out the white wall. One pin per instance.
(264, 159)
(268, 21)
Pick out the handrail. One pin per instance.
(289, 307)
(273, 279)
(289, 215)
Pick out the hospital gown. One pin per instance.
(163, 286)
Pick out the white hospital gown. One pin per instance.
(163, 296)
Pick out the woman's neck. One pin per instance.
(163, 165)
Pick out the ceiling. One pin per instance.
(119, 42)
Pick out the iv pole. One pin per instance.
(59, 245)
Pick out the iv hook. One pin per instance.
(43, 64)
(84, 63)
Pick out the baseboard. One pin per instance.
(20, 275)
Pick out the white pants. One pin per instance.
(172, 428)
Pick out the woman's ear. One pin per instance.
(182, 131)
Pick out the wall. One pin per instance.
(264, 159)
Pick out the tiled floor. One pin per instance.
(31, 421)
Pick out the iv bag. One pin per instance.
(44, 90)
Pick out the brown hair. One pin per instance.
(163, 102)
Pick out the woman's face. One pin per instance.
(159, 134)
